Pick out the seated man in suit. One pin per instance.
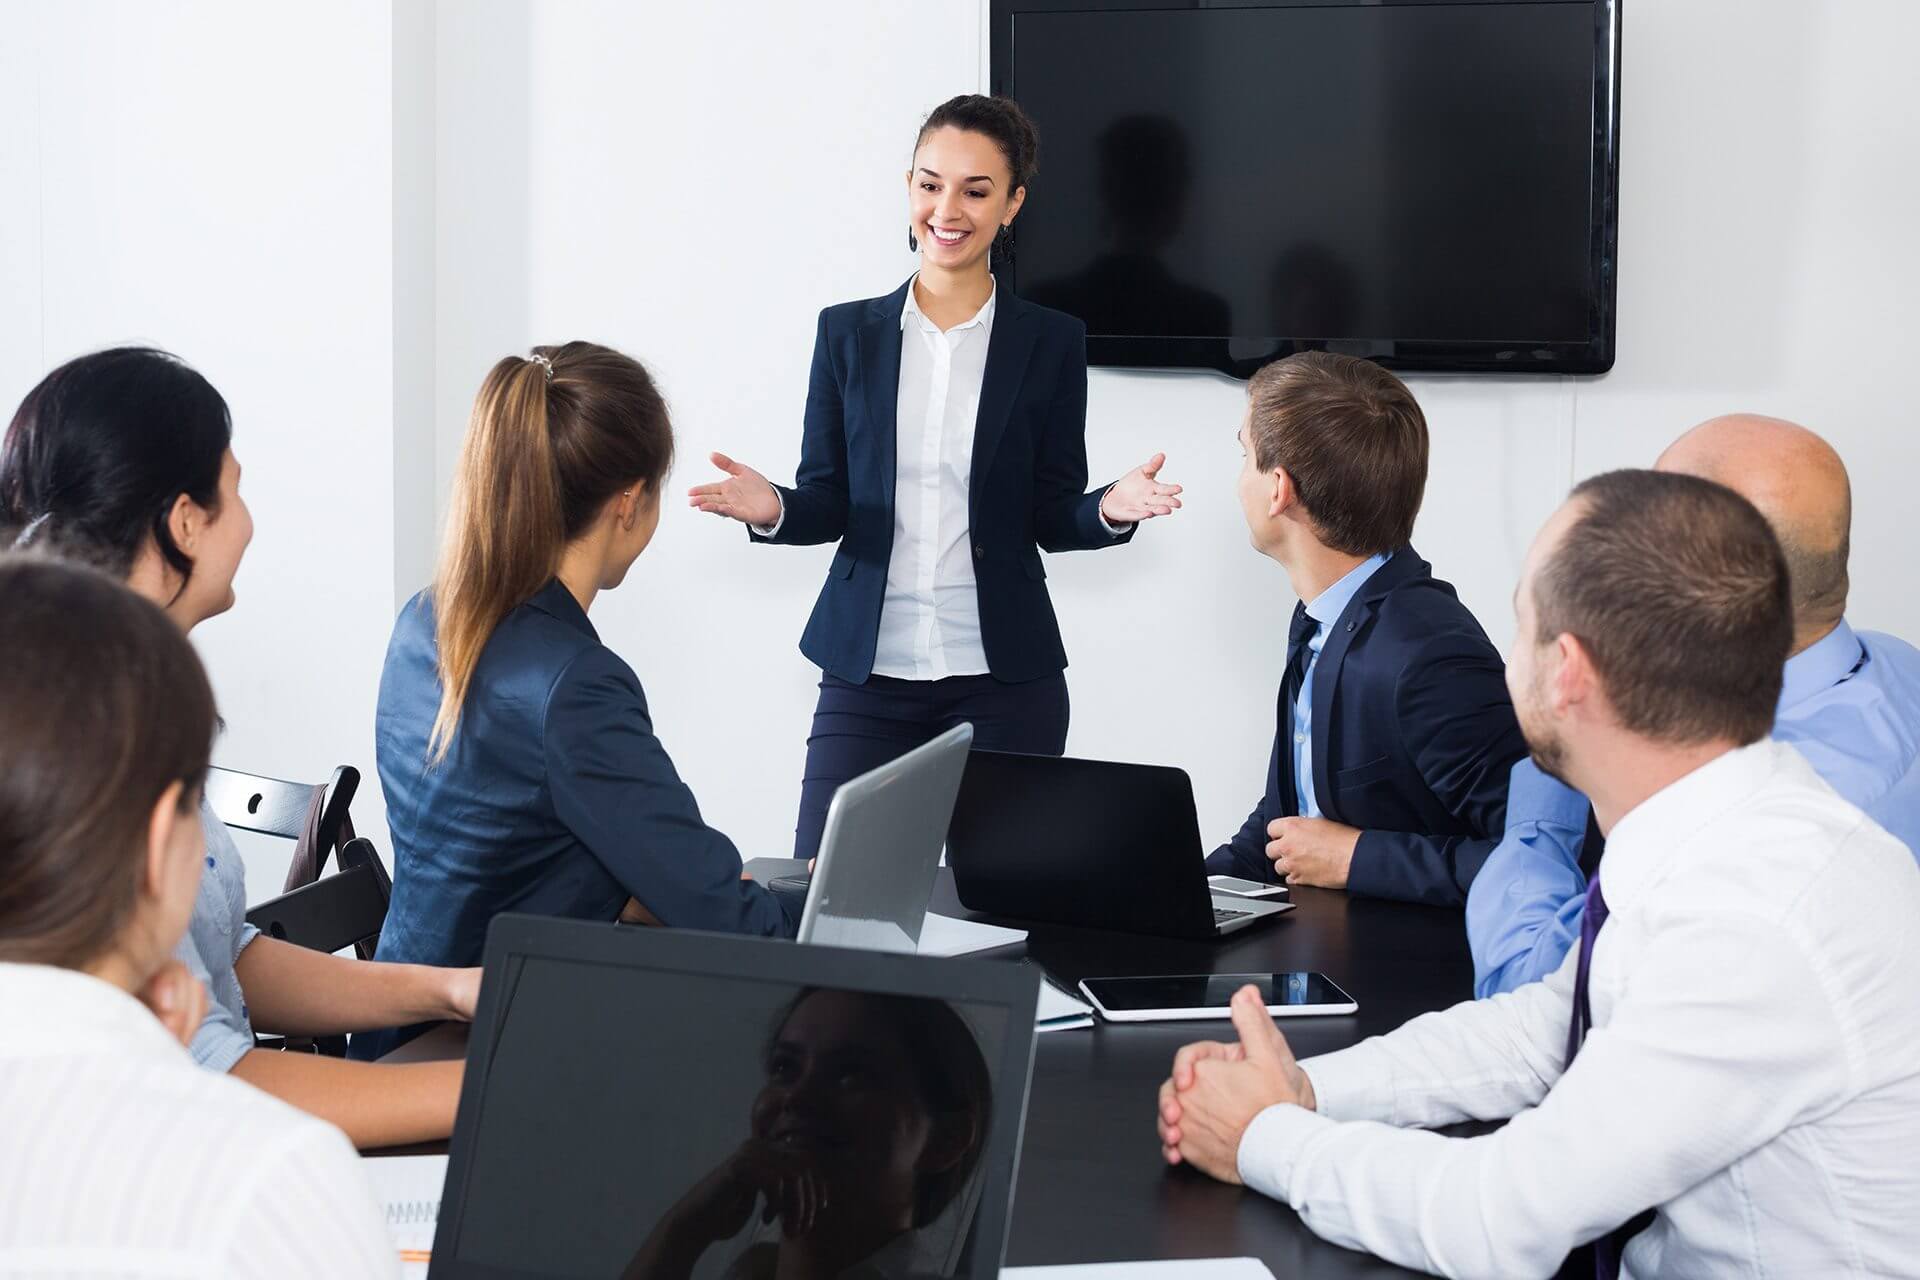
(1850, 704)
(1395, 732)
(1735, 1044)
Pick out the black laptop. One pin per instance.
(652, 1103)
(1092, 843)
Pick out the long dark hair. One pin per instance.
(551, 438)
(103, 706)
(948, 1067)
(102, 448)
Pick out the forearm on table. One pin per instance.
(293, 991)
(375, 1105)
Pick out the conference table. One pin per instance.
(1092, 1186)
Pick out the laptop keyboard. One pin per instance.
(1223, 916)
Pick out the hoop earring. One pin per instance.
(913, 241)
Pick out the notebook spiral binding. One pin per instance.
(407, 1213)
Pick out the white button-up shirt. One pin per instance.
(1753, 1070)
(119, 1156)
(930, 615)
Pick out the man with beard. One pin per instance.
(1734, 1045)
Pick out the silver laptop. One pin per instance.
(880, 851)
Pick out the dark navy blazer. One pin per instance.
(1413, 737)
(1028, 486)
(554, 797)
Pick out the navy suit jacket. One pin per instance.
(1413, 737)
(1027, 492)
(554, 797)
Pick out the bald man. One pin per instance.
(1850, 701)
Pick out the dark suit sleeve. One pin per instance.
(616, 790)
(1457, 724)
(1246, 854)
(1065, 516)
(815, 509)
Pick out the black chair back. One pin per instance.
(270, 806)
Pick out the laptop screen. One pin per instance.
(663, 1123)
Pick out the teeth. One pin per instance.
(948, 237)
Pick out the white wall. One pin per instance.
(699, 180)
(319, 211)
(216, 179)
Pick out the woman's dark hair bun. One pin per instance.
(998, 118)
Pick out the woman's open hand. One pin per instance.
(1139, 495)
(745, 494)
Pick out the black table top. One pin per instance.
(1092, 1186)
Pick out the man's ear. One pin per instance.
(162, 823)
(1284, 496)
(1574, 681)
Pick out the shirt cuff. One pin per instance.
(1271, 1146)
(1113, 530)
(768, 530)
(1342, 1089)
(1532, 796)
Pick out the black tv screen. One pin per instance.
(1431, 185)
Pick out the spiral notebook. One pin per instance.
(408, 1190)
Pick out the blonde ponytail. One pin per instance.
(550, 440)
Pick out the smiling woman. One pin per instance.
(943, 493)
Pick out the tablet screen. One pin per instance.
(1214, 991)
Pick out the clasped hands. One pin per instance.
(1312, 851)
(1218, 1087)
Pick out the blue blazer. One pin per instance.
(1419, 736)
(555, 797)
(1027, 493)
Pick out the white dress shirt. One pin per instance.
(930, 615)
(1753, 1070)
(120, 1157)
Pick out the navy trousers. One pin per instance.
(857, 727)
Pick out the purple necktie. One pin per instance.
(1590, 921)
(1608, 1248)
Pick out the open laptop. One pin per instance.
(880, 849)
(654, 1102)
(1091, 843)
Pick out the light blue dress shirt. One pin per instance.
(216, 935)
(1849, 703)
(1324, 609)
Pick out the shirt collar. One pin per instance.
(73, 1013)
(1331, 603)
(557, 601)
(1645, 842)
(983, 317)
(1819, 667)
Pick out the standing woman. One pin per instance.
(944, 448)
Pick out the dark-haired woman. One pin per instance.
(124, 458)
(865, 1133)
(121, 1156)
(517, 752)
(944, 448)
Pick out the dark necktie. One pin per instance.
(1299, 631)
(1608, 1248)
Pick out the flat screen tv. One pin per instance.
(1432, 185)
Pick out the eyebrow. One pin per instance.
(978, 177)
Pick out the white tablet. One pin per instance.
(1207, 995)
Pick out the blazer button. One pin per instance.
(979, 552)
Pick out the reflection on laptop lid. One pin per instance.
(880, 850)
(651, 1103)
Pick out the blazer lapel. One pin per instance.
(880, 357)
(1404, 565)
(1008, 351)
